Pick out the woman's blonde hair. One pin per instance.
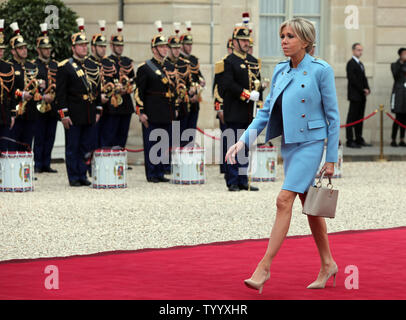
(304, 29)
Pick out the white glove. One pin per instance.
(254, 96)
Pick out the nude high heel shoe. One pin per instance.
(257, 285)
(321, 284)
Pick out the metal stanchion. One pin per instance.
(381, 156)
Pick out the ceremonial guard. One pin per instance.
(26, 94)
(45, 128)
(198, 82)
(183, 80)
(241, 81)
(78, 96)
(155, 98)
(109, 82)
(6, 92)
(117, 116)
(218, 94)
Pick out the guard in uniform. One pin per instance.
(198, 82)
(6, 92)
(218, 94)
(183, 81)
(241, 82)
(155, 98)
(45, 128)
(109, 82)
(78, 96)
(26, 94)
(117, 118)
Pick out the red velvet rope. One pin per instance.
(201, 131)
(359, 121)
(396, 121)
(134, 151)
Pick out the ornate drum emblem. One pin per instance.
(119, 170)
(200, 167)
(25, 172)
(270, 164)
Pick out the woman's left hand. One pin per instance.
(328, 169)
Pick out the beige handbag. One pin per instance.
(321, 201)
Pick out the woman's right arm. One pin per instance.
(252, 132)
(258, 124)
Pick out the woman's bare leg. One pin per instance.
(318, 227)
(284, 205)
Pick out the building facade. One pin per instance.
(379, 25)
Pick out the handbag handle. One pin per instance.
(319, 184)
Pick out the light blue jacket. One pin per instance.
(309, 106)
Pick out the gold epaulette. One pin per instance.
(259, 63)
(219, 67)
(62, 63)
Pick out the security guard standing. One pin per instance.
(240, 79)
(78, 96)
(6, 91)
(197, 77)
(155, 102)
(183, 81)
(109, 82)
(26, 93)
(45, 128)
(218, 93)
(118, 117)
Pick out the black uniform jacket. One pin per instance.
(78, 90)
(398, 103)
(237, 80)
(24, 71)
(197, 76)
(183, 85)
(124, 67)
(47, 72)
(218, 89)
(156, 91)
(7, 91)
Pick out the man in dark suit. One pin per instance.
(78, 96)
(25, 73)
(358, 90)
(155, 98)
(47, 119)
(398, 100)
(239, 70)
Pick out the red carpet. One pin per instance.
(216, 271)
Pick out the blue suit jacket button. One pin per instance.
(302, 130)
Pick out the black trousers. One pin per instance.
(355, 113)
(401, 117)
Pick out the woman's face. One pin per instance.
(291, 44)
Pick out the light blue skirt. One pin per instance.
(301, 162)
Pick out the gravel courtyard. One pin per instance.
(57, 220)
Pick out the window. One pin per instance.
(274, 12)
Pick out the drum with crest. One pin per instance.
(109, 169)
(188, 166)
(263, 164)
(16, 171)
